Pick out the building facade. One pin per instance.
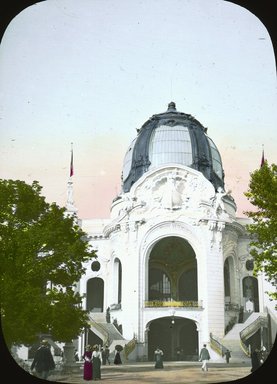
(173, 267)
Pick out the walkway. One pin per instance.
(173, 372)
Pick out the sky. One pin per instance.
(90, 72)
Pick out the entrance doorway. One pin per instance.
(95, 294)
(176, 336)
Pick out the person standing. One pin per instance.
(158, 357)
(96, 363)
(204, 357)
(76, 356)
(43, 361)
(227, 356)
(107, 354)
(117, 358)
(87, 356)
(103, 355)
(255, 360)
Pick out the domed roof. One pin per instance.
(172, 137)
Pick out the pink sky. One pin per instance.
(92, 72)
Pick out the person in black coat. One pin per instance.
(227, 356)
(117, 358)
(255, 360)
(43, 361)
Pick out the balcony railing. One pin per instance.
(252, 328)
(173, 303)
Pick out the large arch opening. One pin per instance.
(172, 273)
(177, 337)
(95, 294)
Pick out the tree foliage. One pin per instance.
(42, 254)
(262, 193)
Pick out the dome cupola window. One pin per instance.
(170, 145)
(172, 137)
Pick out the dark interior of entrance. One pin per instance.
(95, 295)
(93, 339)
(172, 271)
(177, 337)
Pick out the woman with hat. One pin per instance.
(96, 362)
(87, 356)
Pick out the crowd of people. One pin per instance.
(204, 357)
(92, 363)
(95, 356)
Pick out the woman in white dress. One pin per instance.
(96, 363)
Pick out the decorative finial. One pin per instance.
(171, 106)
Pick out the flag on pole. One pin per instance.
(263, 160)
(71, 163)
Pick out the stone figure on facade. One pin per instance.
(171, 197)
(218, 202)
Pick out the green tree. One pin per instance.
(262, 194)
(42, 254)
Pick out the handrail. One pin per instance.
(101, 329)
(244, 348)
(217, 346)
(186, 304)
(129, 347)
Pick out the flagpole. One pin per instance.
(70, 200)
(262, 161)
(71, 172)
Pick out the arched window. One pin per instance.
(227, 290)
(117, 281)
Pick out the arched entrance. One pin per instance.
(172, 271)
(250, 291)
(177, 337)
(95, 294)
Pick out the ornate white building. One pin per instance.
(173, 267)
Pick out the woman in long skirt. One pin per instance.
(96, 363)
(87, 356)
(158, 357)
(117, 358)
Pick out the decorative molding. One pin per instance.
(171, 188)
(170, 228)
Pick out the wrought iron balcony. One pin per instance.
(173, 303)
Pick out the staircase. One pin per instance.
(235, 339)
(106, 331)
